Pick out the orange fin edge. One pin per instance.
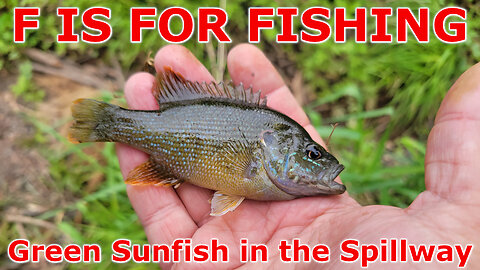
(151, 173)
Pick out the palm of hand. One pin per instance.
(447, 212)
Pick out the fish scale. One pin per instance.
(206, 132)
(214, 137)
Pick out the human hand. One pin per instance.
(447, 212)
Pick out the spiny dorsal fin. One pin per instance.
(151, 173)
(172, 87)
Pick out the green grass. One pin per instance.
(383, 95)
(379, 169)
(105, 212)
(25, 88)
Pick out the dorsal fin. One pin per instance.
(170, 86)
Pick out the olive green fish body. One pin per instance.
(214, 137)
(199, 143)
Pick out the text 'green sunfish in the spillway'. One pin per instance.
(216, 136)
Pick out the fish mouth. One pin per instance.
(335, 187)
(336, 171)
(323, 184)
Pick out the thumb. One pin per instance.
(452, 162)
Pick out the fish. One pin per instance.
(217, 136)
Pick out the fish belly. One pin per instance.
(194, 143)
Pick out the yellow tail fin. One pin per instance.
(89, 118)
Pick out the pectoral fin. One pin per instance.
(151, 173)
(240, 158)
(222, 203)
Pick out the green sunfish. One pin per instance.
(216, 136)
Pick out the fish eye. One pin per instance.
(313, 152)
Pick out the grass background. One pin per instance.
(384, 97)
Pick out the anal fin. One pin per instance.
(151, 173)
(223, 203)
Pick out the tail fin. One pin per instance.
(90, 117)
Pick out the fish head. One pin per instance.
(299, 166)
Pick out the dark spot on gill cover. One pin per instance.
(268, 138)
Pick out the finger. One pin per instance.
(247, 64)
(139, 96)
(159, 209)
(181, 60)
(453, 149)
